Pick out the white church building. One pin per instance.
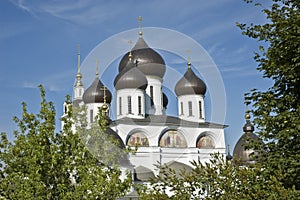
(141, 118)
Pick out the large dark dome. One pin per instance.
(149, 61)
(241, 152)
(130, 77)
(115, 137)
(190, 84)
(95, 93)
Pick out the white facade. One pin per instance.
(191, 108)
(130, 103)
(156, 152)
(154, 100)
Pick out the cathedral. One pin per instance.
(141, 118)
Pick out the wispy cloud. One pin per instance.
(55, 82)
(74, 11)
(23, 5)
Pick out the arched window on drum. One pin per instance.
(172, 138)
(138, 139)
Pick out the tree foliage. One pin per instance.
(277, 116)
(218, 179)
(42, 164)
(277, 110)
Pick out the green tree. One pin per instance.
(42, 164)
(277, 110)
(218, 179)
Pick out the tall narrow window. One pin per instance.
(91, 116)
(190, 108)
(120, 105)
(200, 110)
(129, 105)
(151, 95)
(181, 108)
(140, 105)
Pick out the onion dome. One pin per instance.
(165, 100)
(97, 93)
(241, 151)
(149, 61)
(190, 84)
(130, 77)
(228, 156)
(116, 138)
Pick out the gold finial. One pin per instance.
(130, 54)
(247, 114)
(78, 75)
(189, 58)
(140, 25)
(97, 73)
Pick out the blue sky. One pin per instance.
(38, 45)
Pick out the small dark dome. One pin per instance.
(149, 61)
(130, 77)
(111, 133)
(190, 84)
(165, 100)
(240, 151)
(229, 156)
(248, 127)
(95, 93)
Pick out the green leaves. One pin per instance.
(42, 164)
(218, 179)
(276, 111)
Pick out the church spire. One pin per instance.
(140, 26)
(78, 75)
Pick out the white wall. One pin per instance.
(134, 94)
(184, 113)
(157, 108)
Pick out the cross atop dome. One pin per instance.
(130, 51)
(97, 63)
(189, 58)
(140, 25)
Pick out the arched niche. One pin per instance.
(205, 141)
(172, 138)
(138, 138)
